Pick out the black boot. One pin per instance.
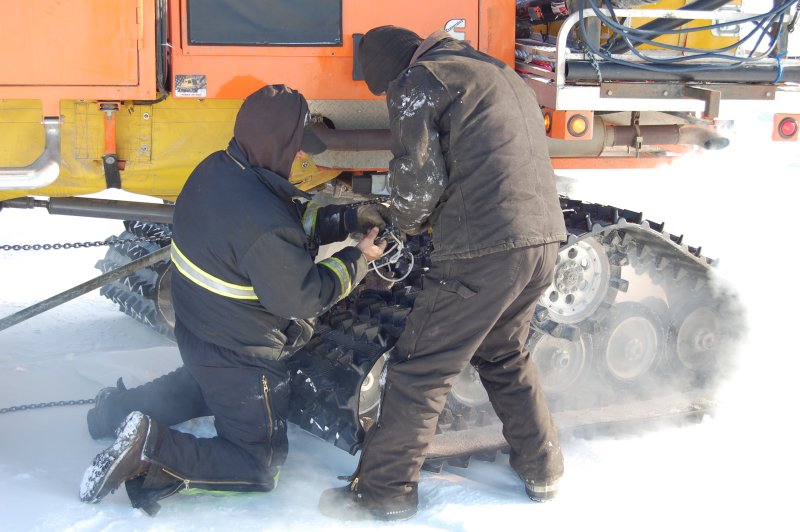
(348, 504)
(106, 415)
(120, 462)
(145, 491)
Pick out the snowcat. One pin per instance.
(132, 94)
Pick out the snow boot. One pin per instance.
(347, 504)
(120, 462)
(104, 418)
(541, 491)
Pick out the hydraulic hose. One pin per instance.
(578, 71)
(618, 45)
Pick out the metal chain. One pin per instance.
(593, 60)
(109, 242)
(33, 406)
(791, 25)
(373, 201)
(136, 240)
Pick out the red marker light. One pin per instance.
(787, 128)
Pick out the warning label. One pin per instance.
(190, 85)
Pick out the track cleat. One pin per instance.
(103, 418)
(347, 504)
(542, 491)
(120, 462)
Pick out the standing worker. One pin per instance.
(470, 165)
(245, 291)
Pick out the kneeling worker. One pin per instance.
(245, 290)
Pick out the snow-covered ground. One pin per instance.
(738, 469)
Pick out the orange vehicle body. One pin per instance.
(134, 94)
(90, 49)
(100, 50)
(130, 99)
(122, 80)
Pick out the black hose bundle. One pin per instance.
(766, 26)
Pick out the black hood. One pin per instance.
(384, 53)
(269, 127)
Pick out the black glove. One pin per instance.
(364, 217)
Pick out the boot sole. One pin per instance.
(95, 478)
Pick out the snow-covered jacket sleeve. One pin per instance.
(290, 284)
(417, 173)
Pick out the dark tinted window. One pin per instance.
(265, 22)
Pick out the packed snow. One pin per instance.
(738, 468)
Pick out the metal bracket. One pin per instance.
(710, 96)
(638, 140)
(110, 159)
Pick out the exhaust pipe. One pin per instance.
(97, 208)
(605, 136)
(685, 134)
(44, 170)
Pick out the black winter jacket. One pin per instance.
(240, 224)
(470, 154)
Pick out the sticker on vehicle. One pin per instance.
(456, 28)
(191, 86)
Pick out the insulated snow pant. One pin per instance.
(248, 397)
(473, 310)
(171, 399)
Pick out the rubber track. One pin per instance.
(328, 372)
(137, 294)
(377, 318)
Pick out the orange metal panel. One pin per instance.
(92, 42)
(326, 72)
(83, 49)
(610, 163)
(497, 29)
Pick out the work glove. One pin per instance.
(298, 333)
(364, 217)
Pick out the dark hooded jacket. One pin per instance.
(237, 219)
(470, 153)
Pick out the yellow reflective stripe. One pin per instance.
(340, 270)
(310, 219)
(208, 281)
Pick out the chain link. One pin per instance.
(138, 240)
(791, 25)
(96, 243)
(374, 201)
(593, 60)
(34, 406)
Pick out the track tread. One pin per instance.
(327, 373)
